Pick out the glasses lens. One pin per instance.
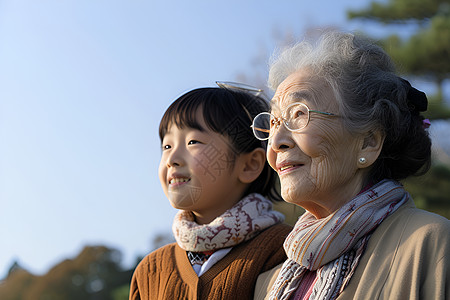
(296, 116)
(261, 126)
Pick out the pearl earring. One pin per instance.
(362, 160)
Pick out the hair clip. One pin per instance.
(426, 123)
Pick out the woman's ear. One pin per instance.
(252, 165)
(371, 148)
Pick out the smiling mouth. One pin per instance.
(287, 167)
(179, 180)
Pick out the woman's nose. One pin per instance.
(281, 138)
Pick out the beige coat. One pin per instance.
(408, 257)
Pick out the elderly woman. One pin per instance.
(343, 130)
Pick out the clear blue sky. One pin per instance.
(83, 85)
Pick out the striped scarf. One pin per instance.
(332, 246)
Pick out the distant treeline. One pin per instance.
(95, 274)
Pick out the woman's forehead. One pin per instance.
(302, 87)
(304, 96)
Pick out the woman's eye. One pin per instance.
(298, 113)
(165, 147)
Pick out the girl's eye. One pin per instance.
(193, 142)
(165, 147)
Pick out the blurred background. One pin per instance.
(84, 83)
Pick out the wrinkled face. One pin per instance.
(318, 165)
(196, 170)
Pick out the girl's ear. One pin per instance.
(251, 165)
(371, 148)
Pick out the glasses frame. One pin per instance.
(243, 87)
(280, 120)
(257, 92)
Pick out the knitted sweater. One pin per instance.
(167, 273)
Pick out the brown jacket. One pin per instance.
(167, 274)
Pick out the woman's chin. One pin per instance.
(290, 198)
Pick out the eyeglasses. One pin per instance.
(295, 117)
(242, 87)
(229, 85)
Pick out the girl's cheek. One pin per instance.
(162, 174)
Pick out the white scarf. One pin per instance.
(242, 222)
(333, 245)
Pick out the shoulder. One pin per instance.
(161, 252)
(413, 229)
(418, 223)
(150, 269)
(423, 218)
(408, 255)
(276, 232)
(271, 237)
(426, 232)
(269, 240)
(154, 260)
(269, 247)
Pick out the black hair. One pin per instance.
(228, 112)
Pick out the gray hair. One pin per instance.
(371, 97)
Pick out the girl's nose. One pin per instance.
(175, 158)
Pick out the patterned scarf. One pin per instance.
(242, 222)
(332, 246)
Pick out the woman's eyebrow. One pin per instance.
(273, 104)
(291, 98)
(300, 95)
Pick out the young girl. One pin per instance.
(215, 171)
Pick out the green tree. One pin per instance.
(121, 293)
(432, 190)
(426, 53)
(16, 284)
(94, 274)
(402, 10)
